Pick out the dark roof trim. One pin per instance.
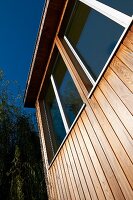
(48, 27)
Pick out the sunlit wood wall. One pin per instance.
(96, 161)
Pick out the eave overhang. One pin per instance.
(47, 31)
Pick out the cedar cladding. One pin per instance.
(96, 160)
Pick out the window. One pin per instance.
(62, 102)
(93, 31)
(124, 6)
(93, 36)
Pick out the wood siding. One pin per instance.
(96, 160)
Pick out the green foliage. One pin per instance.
(21, 171)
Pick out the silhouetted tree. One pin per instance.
(21, 170)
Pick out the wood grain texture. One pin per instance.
(68, 176)
(110, 144)
(96, 160)
(56, 185)
(79, 178)
(87, 163)
(80, 163)
(123, 72)
(117, 105)
(126, 56)
(103, 160)
(60, 180)
(128, 41)
(53, 188)
(116, 124)
(76, 78)
(63, 177)
(49, 182)
(120, 89)
(71, 172)
(131, 28)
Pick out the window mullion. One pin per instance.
(60, 105)
(79, 60)
(109, 12)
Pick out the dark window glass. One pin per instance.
(57, 129)
(93, 37)
(125, 6)
(70, 97)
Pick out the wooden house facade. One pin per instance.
(81, 83)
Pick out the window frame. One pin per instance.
(109, 12)
(116, 16)
(61, 110)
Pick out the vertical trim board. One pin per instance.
(44, 154)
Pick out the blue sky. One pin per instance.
(19, 23)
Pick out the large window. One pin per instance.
(93, 36)
(93, 30)
(62, 102)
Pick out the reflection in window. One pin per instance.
(93, 37)
(69, 98)
(57, 129)
(125, 6)
(69, 95)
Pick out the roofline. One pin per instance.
(48, 26)
(35, 49)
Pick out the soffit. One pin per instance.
(48, 27)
